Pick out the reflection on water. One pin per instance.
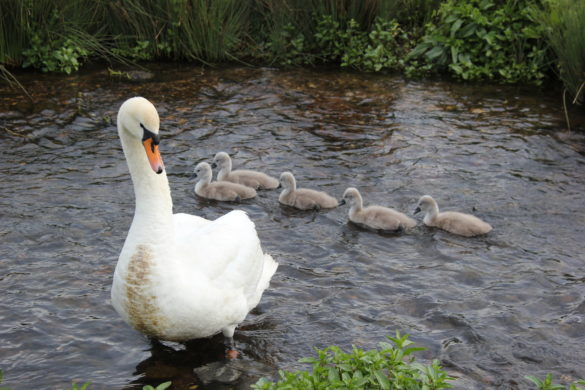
(493, 309)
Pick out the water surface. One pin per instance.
(492, 309)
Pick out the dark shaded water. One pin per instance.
(492, 309)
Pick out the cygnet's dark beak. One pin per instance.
(417, 210)
(279, 186)
(213, 165)
(342, 202)
(193, 176)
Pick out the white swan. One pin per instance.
(179, 276)
(375, 217)
(454, 222)
(254, 179)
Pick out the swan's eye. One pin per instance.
(147, 134)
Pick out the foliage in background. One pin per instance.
(390, 367)
(547, 384)
(497, 40)
(382, 48)
(483, 40)
(564, 23)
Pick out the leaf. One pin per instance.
(435, 52)
(468, 30)
(455, 27)
(164, 386)
(454, 53)
(382, 379)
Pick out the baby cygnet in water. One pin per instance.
(256, 180)
(219, 190)
(375, 217)
(457, 223)
(303, 198)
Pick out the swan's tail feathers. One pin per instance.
(268, 270)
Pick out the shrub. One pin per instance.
(483, 40)
(382, 48)
(61, 55)
(390, 367)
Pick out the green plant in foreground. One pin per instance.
(547, 383)
(1, 379)
(84, 386)
(390, 367)
(162, 386)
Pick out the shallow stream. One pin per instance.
(492, 309)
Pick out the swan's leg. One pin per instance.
(232, 352)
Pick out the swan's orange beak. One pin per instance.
(154, 158)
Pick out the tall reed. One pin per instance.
(565, 22)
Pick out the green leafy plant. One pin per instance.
(327, 37)
(162, 386)
(53, 56)
(547, 383)
(382, 48)
(390, 367)
(483, 40)
(1, 379)
(388, 44)
(141, 51)
(288, 46)
(84, 386)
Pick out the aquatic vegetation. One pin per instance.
(390, 367)
(547, 383)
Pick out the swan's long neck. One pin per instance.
(203, 181)
(154, 206)
(226, 168)
(289, 188)
(432, 213)
(357, 204)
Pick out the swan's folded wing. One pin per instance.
(226, 251)
(186, 224)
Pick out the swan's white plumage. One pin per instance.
(180, 276)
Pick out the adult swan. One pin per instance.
(179, 276)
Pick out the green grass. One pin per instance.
(564, 21)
